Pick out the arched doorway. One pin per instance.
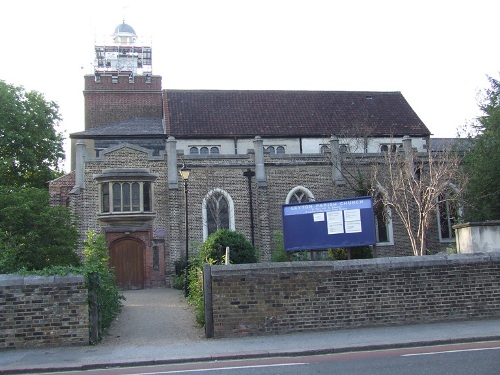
(127, 258)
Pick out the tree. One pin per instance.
(413, 188)
(30, 147)
(482, 162)
(34, 235)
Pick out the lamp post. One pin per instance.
(184, 171)
(249, 174)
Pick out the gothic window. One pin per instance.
(447, 216)
(299, 194)
(218, 212)
(383, 222)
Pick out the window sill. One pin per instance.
(134, 218)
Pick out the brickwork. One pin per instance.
(107, 103)
(283, 173)
(43, 311)
(60, 188)
(287, 297)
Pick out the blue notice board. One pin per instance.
(328, 224)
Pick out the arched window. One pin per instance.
(448, 213)
(193, 151)
(214, 150)
(218, 212)
(384, 148)
(271, 149)
(204, 151)
(299, 194)
(324, 148)
(280, 150)
(383, 221)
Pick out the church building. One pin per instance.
(248, 153)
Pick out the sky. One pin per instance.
(437, 53)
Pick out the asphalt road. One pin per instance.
(458, 359)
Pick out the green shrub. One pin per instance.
(358, 252)
(214, 248)
(212, 251)
(101, 279)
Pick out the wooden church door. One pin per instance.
(127, 258)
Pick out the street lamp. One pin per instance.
(184, 171)
(249, 174)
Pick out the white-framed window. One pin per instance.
(217, 212)
(204, 150)
(275, 149)
(299, 194)
(343, 148)
(393, 147)
(383, 222)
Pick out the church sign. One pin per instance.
(328, 224)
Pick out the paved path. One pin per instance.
(154, 317)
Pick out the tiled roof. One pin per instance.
(139, 126)
(207, 113)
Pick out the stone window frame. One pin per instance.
(126, 177)
(450, 221)
(305, 191)
(230, 206)
(387, 212)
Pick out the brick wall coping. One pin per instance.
(360, 264)
(13, 279)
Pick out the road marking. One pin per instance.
(219, 369)
(450, 351)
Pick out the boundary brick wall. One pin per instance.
(43, 311)
(285, 297)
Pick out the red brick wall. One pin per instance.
(107, 103)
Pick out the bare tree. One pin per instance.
(413, 186)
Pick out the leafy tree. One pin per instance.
(482, 163)
(30, 147)
(34, 235)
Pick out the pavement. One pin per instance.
(156, 326)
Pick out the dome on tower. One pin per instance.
(124, 28)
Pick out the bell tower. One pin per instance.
(123, 55)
